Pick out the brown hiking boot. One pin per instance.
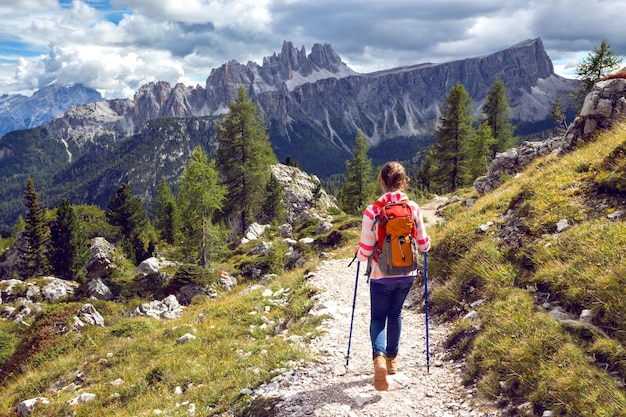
(392, 365)
(380, 374)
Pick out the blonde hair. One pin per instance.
(393, 176)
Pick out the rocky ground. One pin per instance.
(327, 387)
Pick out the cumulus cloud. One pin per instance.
(118, 45)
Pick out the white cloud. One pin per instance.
(116, 49)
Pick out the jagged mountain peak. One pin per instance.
(289, 68)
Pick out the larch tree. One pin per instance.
(498, 117)
(37, 233)
(479, 151)
(599, 63)
(558, 115)
(166, 214)
(359, 189)
(243, 157)
(448, 154)
(200, 196)
(68, 251)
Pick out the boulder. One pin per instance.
(98, 290)
(603, 106)
(302, 192)
(168, 308)
(101, 264)
(12, 262)
(254, 231)
(152, 266)
(27, 406)
(90, 315)
(58, 288)
(227, 281)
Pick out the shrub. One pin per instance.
(130, 327)
(45, 339)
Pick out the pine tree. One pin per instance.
(199, 198)
(37, 233)
(498, 117)
(68, 243)
(601, 62)
(359, 188)
(127, 213)
(243, 157)
(166, 215)
(448, 160)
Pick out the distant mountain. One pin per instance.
(313, 105)
(20, 112)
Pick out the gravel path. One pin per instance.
(327, 388)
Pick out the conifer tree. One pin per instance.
(37, 233)
(68, 243)
(449, 168)
(558, 116)
(479, 151)
(19, 226)
(599, 63)
(359, 188)
(127, 213)
(498, 117)
(273, 208)
(199, 198)
(243, 157)
(166, 215)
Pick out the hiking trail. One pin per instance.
(327, 388)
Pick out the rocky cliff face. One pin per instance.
(316, 102)
(603, 106)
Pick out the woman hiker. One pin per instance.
(388, 291)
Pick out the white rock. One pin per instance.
(562, 225)
(26, 407)
(82, 398)
(363, 398)
(185, 338)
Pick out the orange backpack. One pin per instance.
(396, 246)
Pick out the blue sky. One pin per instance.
(116, 46)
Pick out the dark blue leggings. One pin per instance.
(386, 311)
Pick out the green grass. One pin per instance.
(237, 346)
(517, 350)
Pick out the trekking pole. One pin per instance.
(426, 304)
(356, 283)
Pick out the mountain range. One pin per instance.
(24, 112)
(313, 105)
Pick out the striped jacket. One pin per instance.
(368, 236)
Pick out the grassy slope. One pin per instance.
(516, 349)
(233, 350)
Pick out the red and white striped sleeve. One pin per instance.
(368, 236)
